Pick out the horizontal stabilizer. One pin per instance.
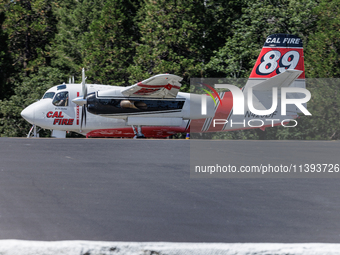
(284, 79)
(263, 90)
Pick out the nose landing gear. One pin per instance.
(33, 132)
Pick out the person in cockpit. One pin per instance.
(61, 99)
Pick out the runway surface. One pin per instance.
(141, 190)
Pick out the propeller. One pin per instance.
(83, 100)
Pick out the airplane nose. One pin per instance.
(28, 114)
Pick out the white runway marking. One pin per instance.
(19, 247)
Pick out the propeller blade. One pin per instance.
(83, 83)
(84, 114)
(83, 117)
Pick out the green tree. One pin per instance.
(218, 19)
(30, 26)
(74, 18)
(109, 44)
(171, 41)
(27, 92)
(323, 61)
(323, 49)
(5, 63)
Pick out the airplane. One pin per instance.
(155, 108)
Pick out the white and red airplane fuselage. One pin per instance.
(47, 114)
(159, 110)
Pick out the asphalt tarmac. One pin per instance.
(141, 190)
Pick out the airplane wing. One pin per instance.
(158, 86)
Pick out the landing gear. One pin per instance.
(138, 133)
(33, 132)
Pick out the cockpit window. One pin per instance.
(48, 95)
(61, 99)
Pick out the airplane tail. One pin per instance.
(280, 52)
(280, 64)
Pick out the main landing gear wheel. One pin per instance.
(138, 133)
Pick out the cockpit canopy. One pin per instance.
(48, 95)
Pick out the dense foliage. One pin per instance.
(120, 42)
